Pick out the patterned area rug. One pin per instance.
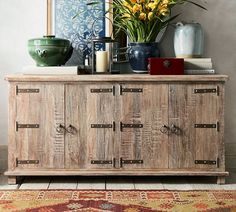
(113, 200)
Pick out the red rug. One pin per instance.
(113, 200)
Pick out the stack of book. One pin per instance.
(50, 70)
(198, 66)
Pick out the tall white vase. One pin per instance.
(188, 40)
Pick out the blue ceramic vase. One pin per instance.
(139, 54)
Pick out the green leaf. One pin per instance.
(93, 3)
(196, 4)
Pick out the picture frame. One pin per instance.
(63, 23)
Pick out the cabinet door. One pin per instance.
(197, 113)
(90, 112)
(39, 111)
(182, 117)
(143, 111)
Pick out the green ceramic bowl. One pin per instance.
(50, 51)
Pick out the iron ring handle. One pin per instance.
(72, 130)
(60, 129)
(164, 129)
(174, 129)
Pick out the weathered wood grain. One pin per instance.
(116, 78)
(209, 141)
(83, 109)
(182, 117)
(116, 172)
(149, 108)
(45, 108)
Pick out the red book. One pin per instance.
(166, 66)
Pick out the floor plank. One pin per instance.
(35, 183)
(63, 183)
(91, 183)
(148, 183)
(117, 183)
(204, 183)
(176, 183)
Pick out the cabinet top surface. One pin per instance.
(115, 78)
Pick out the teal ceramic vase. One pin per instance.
(188, 40)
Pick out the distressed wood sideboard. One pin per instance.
(116, 125)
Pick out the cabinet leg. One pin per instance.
(220, 180)
(12, 180)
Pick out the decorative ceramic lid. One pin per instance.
(49, 40)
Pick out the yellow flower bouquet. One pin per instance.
(142, 20)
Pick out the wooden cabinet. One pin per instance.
(116, 125)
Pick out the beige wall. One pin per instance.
(19, 21)
(24, 19)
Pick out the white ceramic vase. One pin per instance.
(188, 40)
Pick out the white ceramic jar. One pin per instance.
(188, 40)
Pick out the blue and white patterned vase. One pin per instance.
(188, 40)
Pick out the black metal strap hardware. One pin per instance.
(217, 126)
(130, 90)
(101, 162)
(206, 162)
(27, 90)
(130, 162)
(207, 90)
(101, 90)
(101, 125)
(122, 126)
(26, 126)
(26, 161)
